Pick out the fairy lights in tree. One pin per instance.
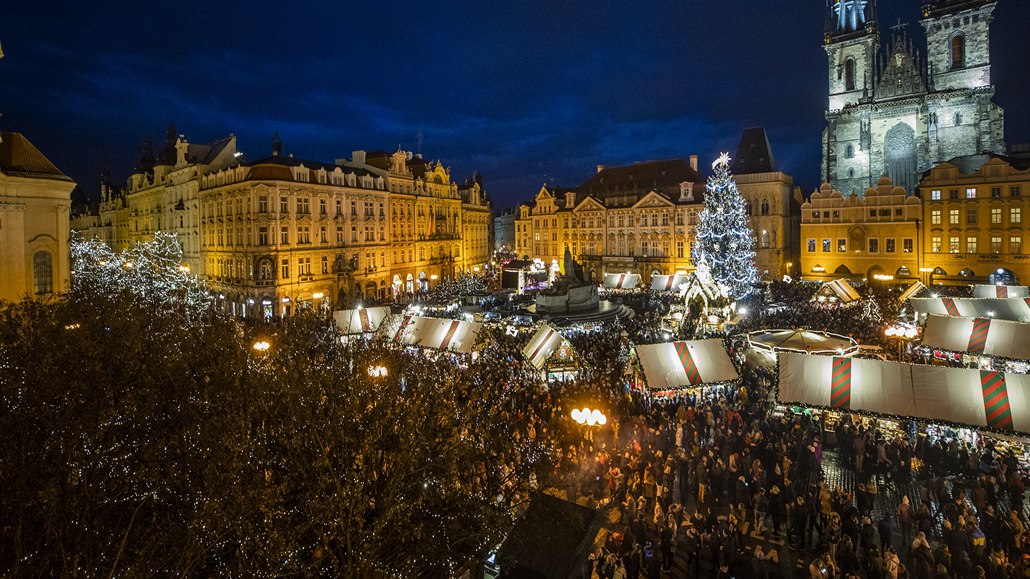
(725, 243)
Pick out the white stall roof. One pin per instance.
(986, 336)
(360, 320)
(621, 280)
(685, 364)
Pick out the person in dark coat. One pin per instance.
(887, 529)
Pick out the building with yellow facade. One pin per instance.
(873, 237)
(974, 209)
(35, 203)
(278, 233)
(641, 218)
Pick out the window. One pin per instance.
(1014, 191)
(906, 245)
(971, 193)
(826, 246)
(888, 245)
(304, 235)
(935, 195)
(842, 245)
(263, 204)
(885, 213)
(953, 244)
(849, 74)
(42, 273)
(958, 119)
(935, 245)
(1016, 245)
(339, 235)
(872, 213)
(284, 205)
(325, 264)
(958, 51)
(1015, 215)
(321, 207)
(953, 194)
(303, 205)
(262, 236)
(898, 212)
(996, 244)
(995, 192)
(849, 152)
(765, 239)
(811, 246)
(953, 216)
(971, 215)
(765, 207)
(285, 269)
(284, 237)
(971, 245)
(874, 245)
(815, 215)
(995, 215)
(323, 235)
(935, 217)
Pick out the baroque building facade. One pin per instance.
(641, 218)
(874, 236)
(278, 233)
(975, 211)
(898, 113)
(35, 204)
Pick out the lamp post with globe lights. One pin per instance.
(903, 334)
(588, 418)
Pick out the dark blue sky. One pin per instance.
(525, 92)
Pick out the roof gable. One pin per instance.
(589, 204)
(653, 199)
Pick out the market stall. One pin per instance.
(360, 320)
(1012, 309)
(455, 336)
(621, 281)
(838, 290)
(1000, 291)
(677, 365)
(972, 398)
(766, 344)
(979, 336)
(912, 291)
(668, 283)
(548, 351)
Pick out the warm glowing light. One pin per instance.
(318, 295)
(72, 327)
(378, 371)
(926, 270)
(818, 269)
(589, 417)
(184, 268)
(261, 346)
(434, 277)
(883, 277)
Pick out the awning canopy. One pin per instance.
(438, 333)
(804, 341)
(668, 283)
(685, 364)
(980, 336)
(542, 346)
(975, 398)
(840, 289)
(621, 280)
(1000, 291)
(1012, 309)
(359, 321)
(913, 290)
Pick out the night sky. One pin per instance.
(524, 92)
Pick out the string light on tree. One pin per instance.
(725, 244)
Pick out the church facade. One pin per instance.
(896, 112)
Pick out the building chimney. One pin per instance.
(570, 199)
(693, 162)
(358, 157)
(601, 168)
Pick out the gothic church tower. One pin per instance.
(889, 112)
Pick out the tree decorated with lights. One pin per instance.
(725, 244)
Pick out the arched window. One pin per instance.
(849, 74)
(750, 208)
(765, 207)
(765, 239)
(849, 152)
(958, 51)
(42, 272)
(958, 119)
(851, 173)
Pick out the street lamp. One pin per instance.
(261, 346)
(589, 417)
(902, 334)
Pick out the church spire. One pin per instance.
(848, 16)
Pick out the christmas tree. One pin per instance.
(725, 244)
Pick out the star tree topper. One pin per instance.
(724, 160)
